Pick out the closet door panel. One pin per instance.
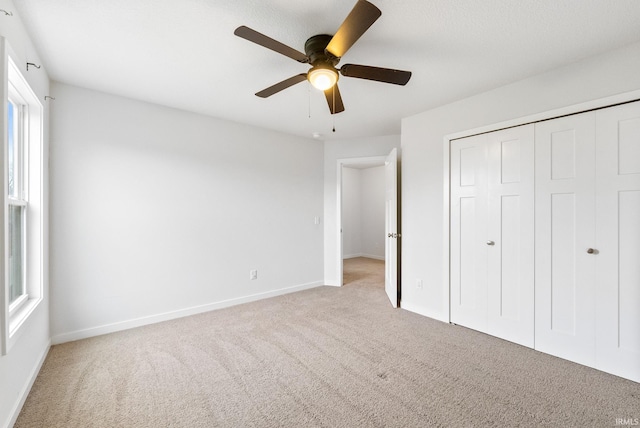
(564, 230)
(510, 235)
(506, 303)
(562, 293)
(629, 270)
(468, 232)
(618, 234)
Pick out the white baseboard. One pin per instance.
(24, 393)
(422, 311)
(351, 256)
(373, 256)
(138, 322)
(368, 256)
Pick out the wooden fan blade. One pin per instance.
(386, 75)
(282, 85)
(334, 99)
(361, 17)
(269, 43)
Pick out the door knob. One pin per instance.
(389, 235)
(592, 251)
(491, 243)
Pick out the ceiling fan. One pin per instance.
(324, 52)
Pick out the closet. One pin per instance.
(545, 236)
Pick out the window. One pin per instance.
(24, 205)
(17, 203)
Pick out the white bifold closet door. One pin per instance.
(588, 239)
(492, 233)
(618, 240)
(565, 229)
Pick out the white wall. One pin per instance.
(20, 366)
(422, 156)
(373, 212)
(363, 213)
(333, 151)
(158, 213)
(351, 213)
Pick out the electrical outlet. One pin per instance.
(253, 274)
(419, 284)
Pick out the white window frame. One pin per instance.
(14, 315)
(21, 184)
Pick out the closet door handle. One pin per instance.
(491, 243)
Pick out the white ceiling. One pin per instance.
(183, 54)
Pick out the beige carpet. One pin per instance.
(326, 357)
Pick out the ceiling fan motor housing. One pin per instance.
(315, 47)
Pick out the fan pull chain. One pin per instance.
(309, 99)
(333, 112)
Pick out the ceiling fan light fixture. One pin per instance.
(322, 77)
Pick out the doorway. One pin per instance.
(363, 223)
(367, 218)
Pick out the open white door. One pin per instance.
(391, 228)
